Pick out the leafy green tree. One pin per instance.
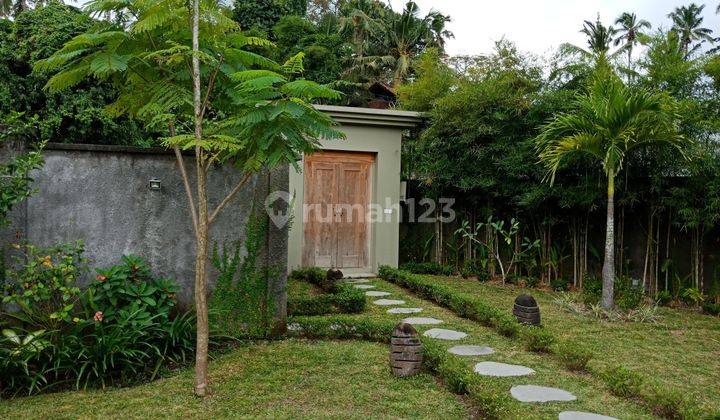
(434, 80)
(263, 15)
(599, 41)
(687, 21)
(72, 116)
(630, 32)
(607, 123)
(214, 97)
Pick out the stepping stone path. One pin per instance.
(535, 393)
(364, 286)
(581, 415)
(357, 281)
(404, 310)
(422, 321)
(502, 369)
(377, 294)
(443, 334)
(389, 302)
(469, 350)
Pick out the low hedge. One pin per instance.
(492, 402)
(622, 382)
(345, 299)
(428, 268)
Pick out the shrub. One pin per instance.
(592, 290)
(131, 285)
(669, 403)
(692, 296)
(463, 304)
(538, 339)
(622, 381)
(43, 287)
(627, 296)
(559, 283)
(344, 299)
(428, 268)
(121, 329)
(316, 276)
(711, 308)
(663, 297)
(573, 356)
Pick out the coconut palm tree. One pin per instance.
(599, 41)
(630, 32)
(687, 21)
(608, 122)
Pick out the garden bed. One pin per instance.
(678, 351)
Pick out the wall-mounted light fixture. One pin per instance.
(155, 184)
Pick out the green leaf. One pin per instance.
(105, 64)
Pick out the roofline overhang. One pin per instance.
(372, 117)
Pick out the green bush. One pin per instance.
(711, 308)
(669, 403)
(316, 276)
(592, 290)
(428, 268)
(573, 356)
(627, 296)
(463, 304)
(119, 330)
(340, 327)
(622, 381)
(343, 298)
(559, 283)
(538, 339)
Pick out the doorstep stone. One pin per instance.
(535, 393)
(422, 321)
(364, 286)
(502, 369)
(469, 350)
(404, 310)
(581, 415)
(443, 334)
(377, 293)
(389, 302)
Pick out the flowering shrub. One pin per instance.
(120, 329)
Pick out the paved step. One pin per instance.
(423, 321)
(470, 350)
(443, 334)
(404, 310)
(502, 369)
(535, 393)
(375, 293)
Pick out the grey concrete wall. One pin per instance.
(101, 195)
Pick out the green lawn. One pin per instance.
(682, 350)
(591, 393)
(285, 379)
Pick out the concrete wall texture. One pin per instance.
(101, 195)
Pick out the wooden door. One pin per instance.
(337, 195)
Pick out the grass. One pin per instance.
(681, 351)
(283, 379)
(591, 392)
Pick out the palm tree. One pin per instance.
(12, 7)
(599, 40)
(606, 123)
(396, 39)
(358, 24)
(687, 21)
(630, 32)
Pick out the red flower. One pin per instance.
(101, 278)
(98, 316)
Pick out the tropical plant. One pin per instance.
(599, 40)
(687, 21)
(630, 32)
(227, 104)
(15, 180)
(607, 123)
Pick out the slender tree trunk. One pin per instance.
(201, 353)
(608, 271)
(667, 250)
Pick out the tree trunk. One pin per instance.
(201, 352)
(608, 271)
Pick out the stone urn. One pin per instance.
(405, 351)
(526, 310)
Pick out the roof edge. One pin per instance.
(372, 116)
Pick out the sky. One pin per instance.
(540, 26)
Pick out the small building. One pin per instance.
(346, 198)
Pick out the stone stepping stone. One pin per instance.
(468, 350)
(422, 321)
(581, 415)
(358, 281)
(294, 327)
(502, 369)
(404, 310)
(443, 334)
(364, 286)
(389, 302)
(377, 294)
(535, 393)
